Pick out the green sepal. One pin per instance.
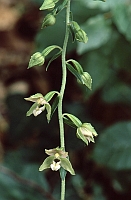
(48, 109)
(32, 108)
(34, 97)
(63, 173)
(90, 128)
(48, 4)
(49, 20)
(46, 164)
(81, 36)
(72, 119)
(74, 72)
(46, 51)
(65, 163)
(37, 59)
(53, 58)
(87, 80)
(50, 95)
(76, 65)
(80, 135)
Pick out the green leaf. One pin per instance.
(72, 119)
(65, 163)
(98, 67)
(99, 32)
(46, 51)
(76, 65)
(74, 72)
(122, 19)
(72, 32)
(54, 105)
(61, 6)
(46, 164)
(68, 122)
(113, 147)
(50, 95)
(32, 108)
(48, 4)
(81, 136)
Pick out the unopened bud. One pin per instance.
(37, 59)
(49, 20)
(81, 36)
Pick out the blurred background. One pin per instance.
(103, 169)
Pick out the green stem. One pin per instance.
(60, 116)
(62, 90)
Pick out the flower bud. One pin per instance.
(81, 36)
(37, 59)
(49, 20)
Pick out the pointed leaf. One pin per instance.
(32, 108)
(76, 65)
(46, 164)
(61, 6)
(46, 51)
(72, 32)
(68, 122)
(74, 72)
(73, 119)
(54, 105)
(65, 163)
(50, 94)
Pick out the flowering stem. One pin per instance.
(64, 74)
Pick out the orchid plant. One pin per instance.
(58, 158)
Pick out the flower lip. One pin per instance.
(55, 166)
(38, 110)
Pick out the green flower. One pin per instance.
(57, 159)
(86, 132)
(40, 104)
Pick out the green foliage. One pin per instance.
(113, 146)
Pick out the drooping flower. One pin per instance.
(86, 132)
